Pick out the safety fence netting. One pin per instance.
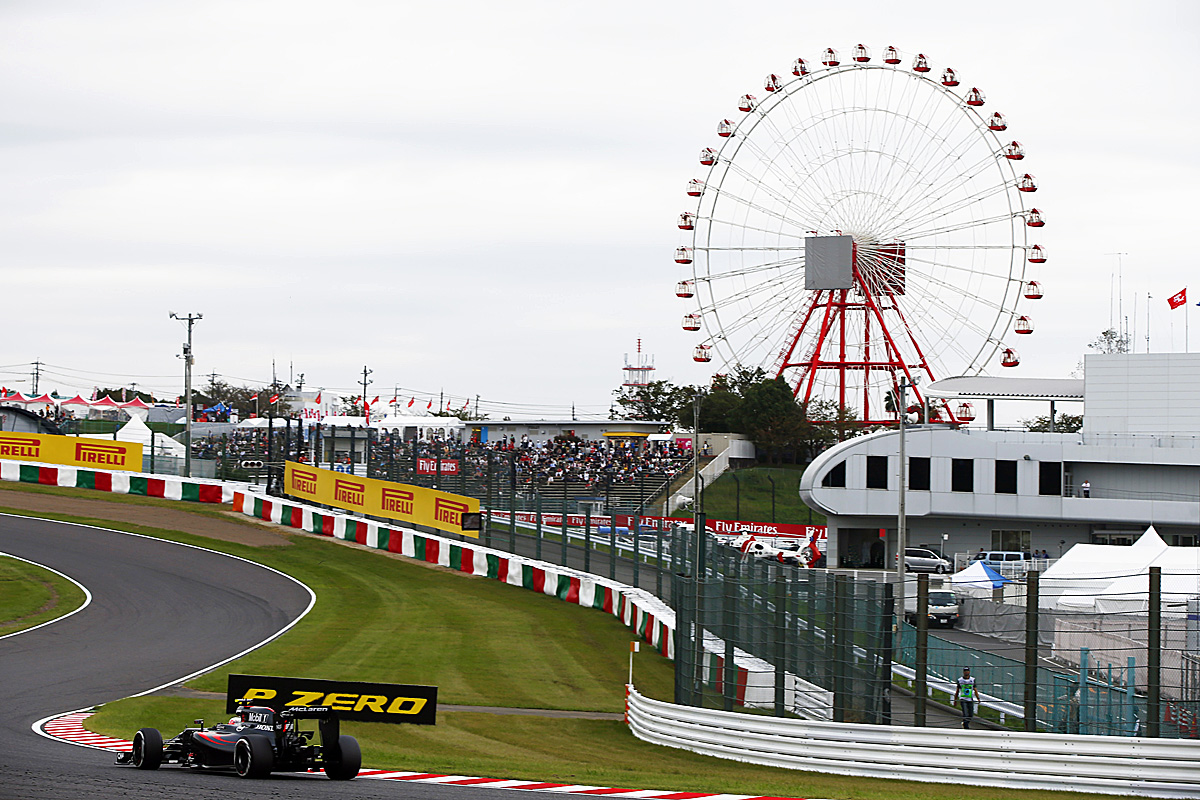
(756, 634)
(1107, 653)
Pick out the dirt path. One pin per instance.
(237, 528)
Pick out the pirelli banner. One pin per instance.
(452, 513)
(353, 700)
(71, 451)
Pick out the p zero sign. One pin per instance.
(353, 700)
(71, 451)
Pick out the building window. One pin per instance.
(1011, 541)
(918, 474)
(1006, 477)
(1050, 478)
(962, 475)
(836, 477)
(877, 472)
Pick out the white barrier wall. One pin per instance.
(1013, 760)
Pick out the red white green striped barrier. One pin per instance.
(167, 487)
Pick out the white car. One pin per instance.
(918, 559)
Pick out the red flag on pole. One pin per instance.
(318, 398)
(273, 399)
(376, 400)
(254, 396)
(467, 403)
(411, 400)
(1178, 299)
(429, 405)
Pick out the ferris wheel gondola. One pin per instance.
(861, 224)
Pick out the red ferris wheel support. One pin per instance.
(861, 333)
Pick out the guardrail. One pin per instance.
(1014, 760)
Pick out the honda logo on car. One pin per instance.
(353, 700)
(349, 492)
(20, 448)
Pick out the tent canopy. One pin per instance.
(978, 576)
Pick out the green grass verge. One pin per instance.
(31, 595)
(483, 643)
(721, 499)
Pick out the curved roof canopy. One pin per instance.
(992, 387)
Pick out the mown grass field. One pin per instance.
(746, 495)
(31, 595)
(379, 618)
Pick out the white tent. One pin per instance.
(977, 576)
(1114, 578)
(1130, 594)
(136, 431)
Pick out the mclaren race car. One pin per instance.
(255, 743)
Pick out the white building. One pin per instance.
(975, 487)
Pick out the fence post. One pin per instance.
(887, 612)
(1083, 690)
(538, 508)
(1131, 695)
(587, 541)
(612, 545)
(487, 514)
(566, 483)
(921, 684)
(781, 641)
(839, 648)
(729, 670)
(152, 433)
(1031, 650)
(658, 572)
(512, 496)
(635, 529)
(1154, 655)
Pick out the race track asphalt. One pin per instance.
(160, 611)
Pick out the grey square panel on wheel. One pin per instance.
(828, 262)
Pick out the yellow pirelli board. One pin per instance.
(398, 501)
(71, 451)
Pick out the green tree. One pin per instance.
(657, 400)
(1063, 423)
(770, 416)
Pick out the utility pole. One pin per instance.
(901, 521)
(37, 373)
(300, 383)
(366, 372)
(187, 390)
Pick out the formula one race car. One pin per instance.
(254, 743)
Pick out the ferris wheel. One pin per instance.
(864, 222)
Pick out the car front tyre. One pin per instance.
(147, 752)
(253, 757)
(346, 762)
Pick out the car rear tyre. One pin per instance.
(346, 761)
(941, 569)
(253, 757)
(147, 751)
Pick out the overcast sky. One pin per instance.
(479, 198)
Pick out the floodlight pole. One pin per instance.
(187, 390)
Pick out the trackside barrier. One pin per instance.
(1135, 766)
(149, 485)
